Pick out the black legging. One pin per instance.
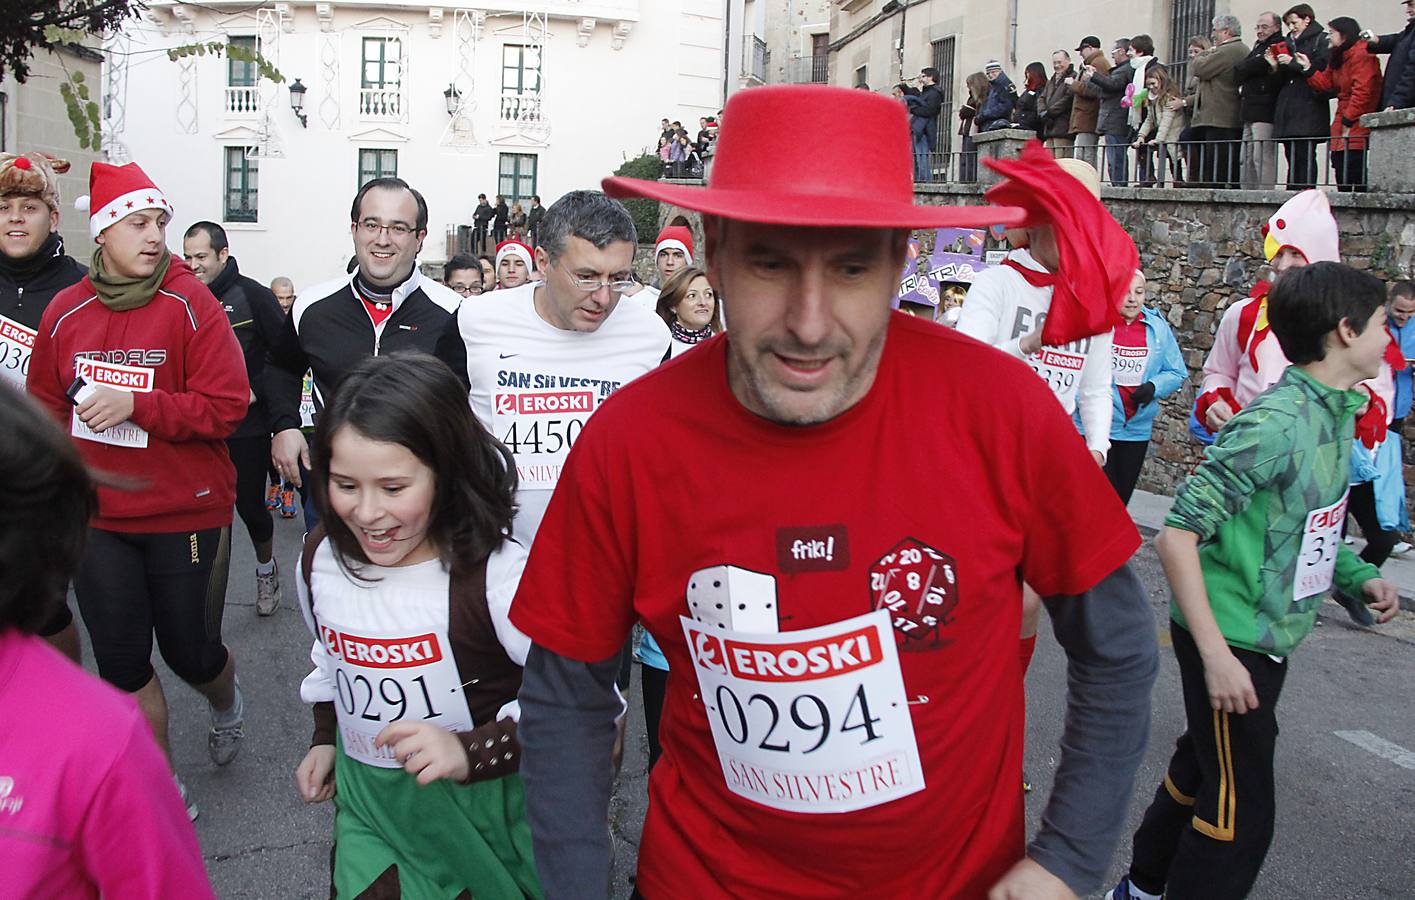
(251, 457)
(1362, 504)
(655, 685)
(1123, 464)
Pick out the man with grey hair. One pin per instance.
(1258, 85)
(541, 358)
(1217, 122)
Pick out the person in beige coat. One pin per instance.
(1217, 121)
(1159, 132)
(1086, 105)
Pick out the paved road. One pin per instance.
(1345, 812)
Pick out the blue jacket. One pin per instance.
(1404, 387)
(1166, 369)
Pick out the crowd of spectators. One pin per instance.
(684, 156)
(1218, 124)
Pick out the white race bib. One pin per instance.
(133, 379)
(16, 343)
(811, 721)
(539, 427)
(390, 678)
(1316, 560)
(1128, 364)
(307, 401)
(1061, 370)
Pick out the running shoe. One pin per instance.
(223, 742)
(1400, 549)
(187, 801)
(1125, 891)
(1355, 608)
(287, 502)
(267, 591)
(272, 497)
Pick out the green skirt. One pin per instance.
(445, 839)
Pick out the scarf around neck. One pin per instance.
(20, 271)
(120, 293)
(684, 336)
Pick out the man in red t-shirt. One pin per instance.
(845, 709)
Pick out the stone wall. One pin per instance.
(1201, 251)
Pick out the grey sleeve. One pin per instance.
(1112, 656)
(567, 733)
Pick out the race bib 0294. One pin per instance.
(810, 721)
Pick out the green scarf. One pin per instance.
(120, 293)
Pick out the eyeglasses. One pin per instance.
(372, 227)
(466, 291)
(590, 285)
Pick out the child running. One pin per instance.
(407, 586)
(1251, 547)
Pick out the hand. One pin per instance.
(1230, 686)
(288, 451)
(1143, 394)
(1303, 60)
(1100, 460)
(106, 408)
(1385, 599)
(1284, 58)
(250, 401)
(1027, 880)
(1271, 61)
(314, 776)
(1030, 343)
(1070, 79)
(1367, 35)
(1137, 145)
(1175, 105)
(1218, 415)
(426, 751)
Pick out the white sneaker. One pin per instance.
(267, 591)
(187, 801)
(1400, 549)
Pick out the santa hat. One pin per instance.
(118, 191)
(675, 237)
(36, 174)
(1305, 224)
(515, 248)
(1098, 258)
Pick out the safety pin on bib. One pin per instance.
(919, 700)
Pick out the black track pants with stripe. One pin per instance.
(1207, 831)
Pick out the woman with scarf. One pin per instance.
(689, 306)
(1354, 75)
(1300, 119)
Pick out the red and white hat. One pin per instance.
(675, 237)
(514, 247)
(117, 191)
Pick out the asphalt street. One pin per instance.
(1345, 767)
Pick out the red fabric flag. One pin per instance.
(1098, 258)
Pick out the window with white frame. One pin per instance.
(518, 177)
(242, 77)
(380, 78)
(242, 173)
(520, 83)
(377, 163)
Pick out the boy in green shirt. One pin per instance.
(1251, 547)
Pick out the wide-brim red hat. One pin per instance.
(861, 175)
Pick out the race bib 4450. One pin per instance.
(810, 721)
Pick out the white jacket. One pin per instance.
(1001, 307)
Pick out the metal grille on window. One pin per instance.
(943, 50)
(242, 183)
(1187, 18)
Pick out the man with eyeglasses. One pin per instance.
(463, 275)
(384, 305)
(543, 357)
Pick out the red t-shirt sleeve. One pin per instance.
(1077, 530)
(576, 597)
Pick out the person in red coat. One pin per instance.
(1354, 75)
(140, 364)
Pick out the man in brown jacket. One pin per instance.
(1086, 101)
(1056, 105)
(1217, 122)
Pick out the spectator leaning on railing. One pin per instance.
(1163, 122)
(1302, 116)
(1258, 85)
(1086, 101)
(1027, 113)
(1399, 92)
(1056, 105)
(1216, 122)
(977, 84)
(1354, 75)
(996, 111)
(1113, 123)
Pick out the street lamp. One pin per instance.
(297, 102)
(453, 98)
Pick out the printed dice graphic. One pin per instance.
(734, 599)
(919, 587)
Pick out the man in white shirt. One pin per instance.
(542, 358)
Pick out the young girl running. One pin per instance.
(407, 586)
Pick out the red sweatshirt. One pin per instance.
(182, 361)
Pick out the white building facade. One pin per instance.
(530, 98)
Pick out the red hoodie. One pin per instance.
(184, 364)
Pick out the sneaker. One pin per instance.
(1355, 608)
(267, 591)
(1126, 891)
(287, 502)
(223, 742)
(187, 801)
(1400, 549)
(272, 497)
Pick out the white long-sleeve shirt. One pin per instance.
(1002, 307)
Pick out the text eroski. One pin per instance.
(542, 381)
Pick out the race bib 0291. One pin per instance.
(810, 721)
